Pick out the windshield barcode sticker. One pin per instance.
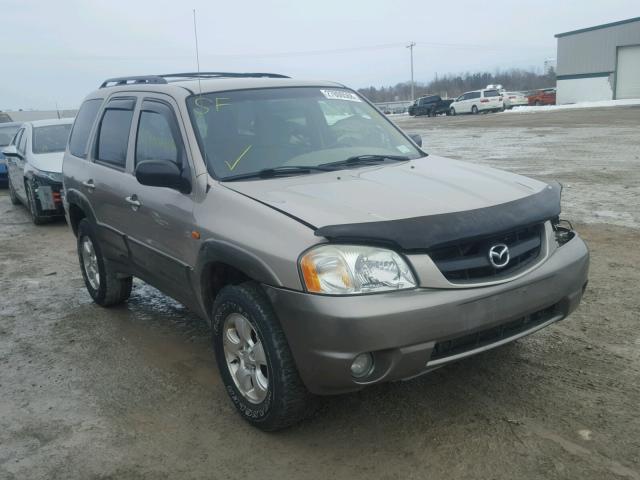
(340, 95)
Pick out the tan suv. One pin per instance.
(325, 248)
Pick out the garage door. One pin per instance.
(628, 77)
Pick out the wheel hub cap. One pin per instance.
(245, 357)
(90, 262)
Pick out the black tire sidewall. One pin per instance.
(231, 300)
(86, 229)
(12, 193)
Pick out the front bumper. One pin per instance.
(405, 330)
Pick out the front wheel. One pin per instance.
(452, 111)
(254, 359)
(103, 283)
(12, 193)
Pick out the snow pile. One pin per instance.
(549, 108)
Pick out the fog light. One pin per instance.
(362, 365)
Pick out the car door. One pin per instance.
(464, 104)
(20, 162)
(160, 223)
(108, 183)
(12, 166)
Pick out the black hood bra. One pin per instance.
(422, 233)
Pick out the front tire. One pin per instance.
(102, 281)
(254, 359)
(12, 193)
(452, 111)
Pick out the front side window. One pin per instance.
(7, 133)
(113, 135)
(50, 138)
(157, 137)
(248, 131)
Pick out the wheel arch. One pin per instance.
(221, 263)
(78, 207)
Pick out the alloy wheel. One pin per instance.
(90, 262)
(246, 358)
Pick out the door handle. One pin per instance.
(89, 184)
(134, 202)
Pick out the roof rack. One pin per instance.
(145, 79)
(156, 79)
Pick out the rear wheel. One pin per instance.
(102, 281)
(254, 359)
(474, 110)
(538, 103)
(12, 193)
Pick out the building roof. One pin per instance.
(598, 27)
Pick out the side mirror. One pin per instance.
(162, 173)
(10, 151)
(417, 139)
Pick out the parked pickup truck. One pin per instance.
(430, 105)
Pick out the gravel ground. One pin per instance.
(132, 392)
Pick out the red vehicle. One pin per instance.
(546, 96)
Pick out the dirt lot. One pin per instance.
(133, 392)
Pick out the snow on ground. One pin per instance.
(570, 106)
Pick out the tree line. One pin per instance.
(452, 85)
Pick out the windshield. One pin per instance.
(248, 131)
(52, 138)
(7, 133)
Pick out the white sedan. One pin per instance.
(34, 164)
(514, 99)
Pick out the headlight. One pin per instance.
(354, 269)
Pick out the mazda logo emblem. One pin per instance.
(499, 255)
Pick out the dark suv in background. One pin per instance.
(430, 105)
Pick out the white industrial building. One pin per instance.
(599, 63)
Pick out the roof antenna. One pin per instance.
(195, 34)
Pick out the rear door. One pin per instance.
(160, 221)
(108, 184)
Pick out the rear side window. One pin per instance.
(113, 135)
(82, 127)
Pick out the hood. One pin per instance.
(47, 162)
(428, 186)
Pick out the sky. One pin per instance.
(55, 52)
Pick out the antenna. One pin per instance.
(57, 110)
(195, 34)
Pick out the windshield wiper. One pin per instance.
(371, 159)
(284, 170)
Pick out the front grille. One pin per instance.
(469, 260)
(472, 341)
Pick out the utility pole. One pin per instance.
(410, 47)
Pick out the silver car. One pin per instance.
(322, 244)
(34, 167)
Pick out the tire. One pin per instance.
(538, 103)
(32, 205)
(12, 193)
(452, 111)
(474, 110)
(109, 289)
(284, 400)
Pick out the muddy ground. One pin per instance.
(133, 392)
